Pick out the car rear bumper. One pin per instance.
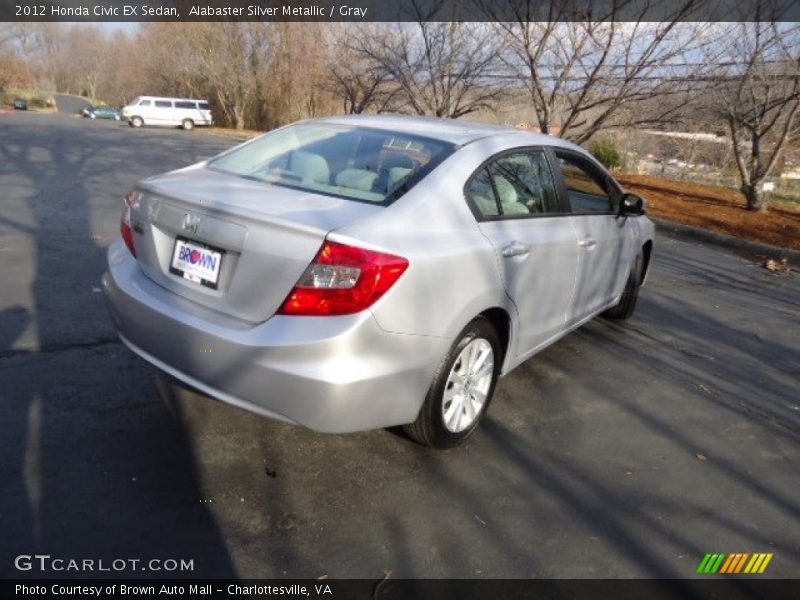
(330, 374)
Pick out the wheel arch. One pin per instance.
(647, 251)
(501, 321)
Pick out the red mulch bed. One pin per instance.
(715, 208)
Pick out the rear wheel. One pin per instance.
(461, 390)
(627, 302)
(187, 124)
(136, 122)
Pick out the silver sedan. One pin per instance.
(370, 271)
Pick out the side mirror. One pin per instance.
(632, 205)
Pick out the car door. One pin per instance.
(605, 240)
(515, 199)
(163, 113)
(146, 111)
(205, 111)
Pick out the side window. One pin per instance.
(588, 190)
(163, 104)
(184, 104)
(524, 184)
(205, 106)
(518, 184)
(482, 195)
(144, 102)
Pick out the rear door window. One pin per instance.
(184, 104)
(481, 194)
(163, 104)
(517, 184)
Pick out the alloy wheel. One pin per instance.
(468, 385)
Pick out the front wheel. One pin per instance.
(136, 122)
(461, 390)
(627, 302)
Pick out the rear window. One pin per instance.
(163, 104)
(205, 106)
(357, 163)
(183, 104)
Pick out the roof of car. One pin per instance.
(169, 98)
(449, 130)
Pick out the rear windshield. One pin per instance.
(357, 163)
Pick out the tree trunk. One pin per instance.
(238, 119)
(755, 197)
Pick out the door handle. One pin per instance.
(587, 243)
(516, 249)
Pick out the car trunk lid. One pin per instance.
(257, 237)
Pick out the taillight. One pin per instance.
(125, 223)
(342, 280)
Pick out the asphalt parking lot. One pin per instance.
(624, 450)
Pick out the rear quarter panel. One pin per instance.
(454, 272)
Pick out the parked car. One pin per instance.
(369, 271)
(170, 112)
(20, 104)
(102, 112)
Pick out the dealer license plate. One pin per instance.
(196, 262)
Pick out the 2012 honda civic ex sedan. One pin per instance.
(369, 271)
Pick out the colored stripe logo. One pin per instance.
(737, 562)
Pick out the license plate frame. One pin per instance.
(196, 275)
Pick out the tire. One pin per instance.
(445, 419)
(627, 302)
(92, 116)
(187, 124)
(136, 121)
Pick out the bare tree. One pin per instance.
(86, 52)
(585, 72)
(14, 70)
(758, 98)
(170, 59)
(230, 54)
(440, 68)
(298, 72)
(360, 82)
(21, 44)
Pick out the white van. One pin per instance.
(168, 112)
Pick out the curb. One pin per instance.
(725, 240)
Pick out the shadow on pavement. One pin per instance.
(91, 467)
